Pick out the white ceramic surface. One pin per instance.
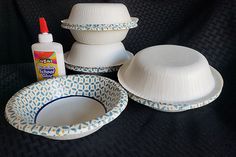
(99, 13)
(67, 107)
(99, 37)
(97, 55)
(168, 74)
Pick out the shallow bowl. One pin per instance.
(67, 107)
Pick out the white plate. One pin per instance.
(66, 107)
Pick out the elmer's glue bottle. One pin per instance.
(48, 55)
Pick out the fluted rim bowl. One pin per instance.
(97, 55)
(96, 58)
(99, 17)
(97, 69)
(23, 107)
(170, 78)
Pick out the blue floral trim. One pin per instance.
(100, 27)
(22, 108)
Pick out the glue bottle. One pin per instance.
(48, 55)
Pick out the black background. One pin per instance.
(207, 26)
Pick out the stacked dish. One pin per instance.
(67, 107)
(170, 78)
(98, 27)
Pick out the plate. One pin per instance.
(67, 107)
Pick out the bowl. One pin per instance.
(99, 14)
(99, 23)
(97, 55)
(170, 75)
(67, 107)
(99, 37)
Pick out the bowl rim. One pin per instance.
(16, 121)
(199, 102)
(93, 69)
(100, 27)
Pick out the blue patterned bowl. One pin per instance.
(67, 107)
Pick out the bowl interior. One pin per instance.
(69, 110)
(66, 100)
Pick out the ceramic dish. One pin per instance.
(97, 55)
(66, 107)
(177, 77)
(95, 69)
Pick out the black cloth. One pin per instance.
(139, 131)
(207, 26)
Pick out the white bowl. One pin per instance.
(97, 55)
(170, 74)
(67, 107)
(99, 37)
(99, 23)
(99, 13)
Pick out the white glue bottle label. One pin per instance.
(48, 55)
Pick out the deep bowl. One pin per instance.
(99, 13)
(67, 107)
(99, 23)
(97, 55)
(170, 74)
